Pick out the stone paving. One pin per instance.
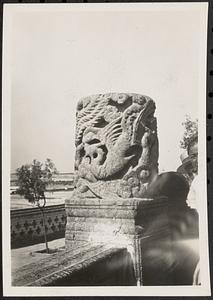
(27, 255)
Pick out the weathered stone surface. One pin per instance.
(108, 221)
(116, 145)
(79, 266)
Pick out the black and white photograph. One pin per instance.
(104, 149)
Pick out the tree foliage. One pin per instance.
(190, 132)
(33, 179)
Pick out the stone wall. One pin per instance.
(27, 225)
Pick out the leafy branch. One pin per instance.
(190, 133)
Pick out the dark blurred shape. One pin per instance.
(172, 260)
(170, 184)
(170, 263)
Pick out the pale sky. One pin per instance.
(59, 56)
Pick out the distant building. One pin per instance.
(61, 181)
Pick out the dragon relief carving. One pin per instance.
(116, 145)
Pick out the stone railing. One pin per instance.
(88, 265)
(27, 225)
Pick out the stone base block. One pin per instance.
(116, 221)
(139, 225)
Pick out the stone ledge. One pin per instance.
(113, 208)
(63, 265)
(81, 267)
(118, 202)
(38, 274)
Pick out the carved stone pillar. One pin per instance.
(116, 159)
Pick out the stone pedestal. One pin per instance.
(116, 167)
(128, 223)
